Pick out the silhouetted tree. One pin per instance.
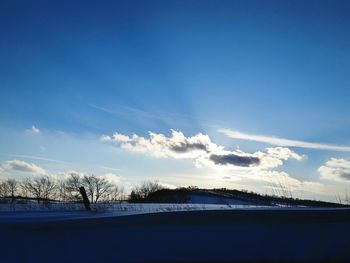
(4, 189)
(71, 187)
(41, 187)
(97, 188)
(12, 185)
(9, 188)
(102, 187)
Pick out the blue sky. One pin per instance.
(77, 70)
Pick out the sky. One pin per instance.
(236, 94)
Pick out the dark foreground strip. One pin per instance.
(254, 261)
(181, 237)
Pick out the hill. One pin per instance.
(227, 196)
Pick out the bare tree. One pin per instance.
(71, 187)
(41, 187)
(13, 186)
(97, 188)
(4, 189)
(103, 188)
(23, 188)
(61, 190)
(30, 187)
(45, 188)
(49, 187)
(9, 188)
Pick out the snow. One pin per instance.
(35, 212)
(51, 212)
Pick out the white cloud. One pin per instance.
(284, 153)
(34, 130)
(112, 178)
(336, 169)
(274, 157)
(283, 142)
(159, 145)
(22, 167)
(106, 138)
(121, 138)
(202, 150)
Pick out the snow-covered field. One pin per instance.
(56, 212)
(195, 202)
(38, 212)
(124, 206)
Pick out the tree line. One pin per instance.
(46, 188)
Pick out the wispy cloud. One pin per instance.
(166, 117)
(134, 111)
(282, 141)
(110, 168)
(32, 157)
(106, 110)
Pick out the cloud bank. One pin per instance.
(201, 149)
(283, 142)
(256, 167)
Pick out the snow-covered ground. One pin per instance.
(59, 211)
(124, 206)
(35, 212)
